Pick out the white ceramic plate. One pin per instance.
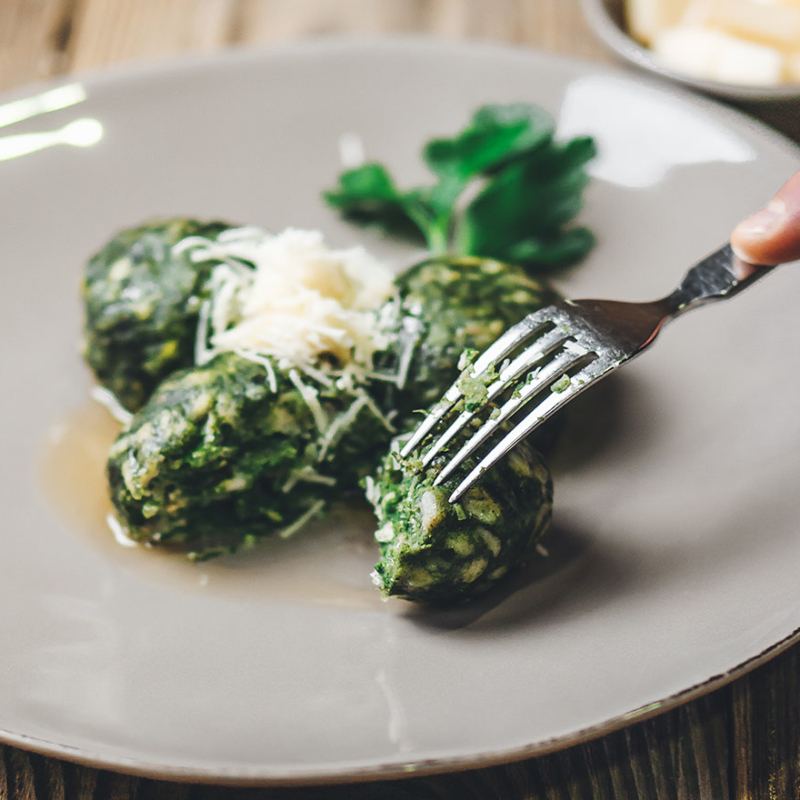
(673, 557)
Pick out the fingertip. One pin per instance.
(772, 235)
(761, 238)
(747, 251)
(743, 264)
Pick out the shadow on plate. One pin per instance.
(595, 420)
(577, 574)
(331, 561)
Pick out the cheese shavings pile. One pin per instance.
(290, 299)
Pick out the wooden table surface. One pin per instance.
(742, 741)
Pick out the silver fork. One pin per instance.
(555, 354)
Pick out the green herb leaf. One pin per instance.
(496, 135)
(368, 195)
(569, 247)
(526, 189)
(520, 216)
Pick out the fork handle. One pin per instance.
(717, 277)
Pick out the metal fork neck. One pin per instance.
(716, 277)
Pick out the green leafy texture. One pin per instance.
(435, 552)
(204, 465)
(369, 195)
(521, 214)
(446, 306)
(496, 136)
(141, 304)
(526, 189)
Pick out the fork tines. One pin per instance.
(550, 357)
(542, 352)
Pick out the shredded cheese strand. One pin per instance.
(379, 415)
(311, 397)
(108, 399)
(412, 330)
(272, 379)
(307, 475)
(290, 296)
(302, 520)
(119, 532)
(340, 424)
(202, 353)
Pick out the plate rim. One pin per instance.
(142, 69)
(392, 769)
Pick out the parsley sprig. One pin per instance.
(504, 188)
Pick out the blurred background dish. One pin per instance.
(743, 50)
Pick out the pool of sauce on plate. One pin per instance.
(327, 564)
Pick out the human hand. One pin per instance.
(772, 235)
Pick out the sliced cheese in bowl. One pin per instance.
(740, 42)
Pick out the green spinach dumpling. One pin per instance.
(447, 305)
(433, 551)
(142, 300)
(218, 457)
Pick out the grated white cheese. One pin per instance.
(311, 397)
(267, 364)
(317, 315)
(301, 521)
(119, 532)
(340, 424)
(113, 406)
(345, 420)
(307, 474)
(289, 296)
(371, 490)
(385, 420)
(202, 353)
(412, 331)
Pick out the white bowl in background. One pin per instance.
(606, 17)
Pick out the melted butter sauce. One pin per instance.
(327, 563)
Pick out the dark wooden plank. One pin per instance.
(113, 786)
(49, 777)
(764, 730)
(5, 790)
(20, 778)
(80, 782)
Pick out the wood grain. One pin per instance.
(42, 38)
(741, 742)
